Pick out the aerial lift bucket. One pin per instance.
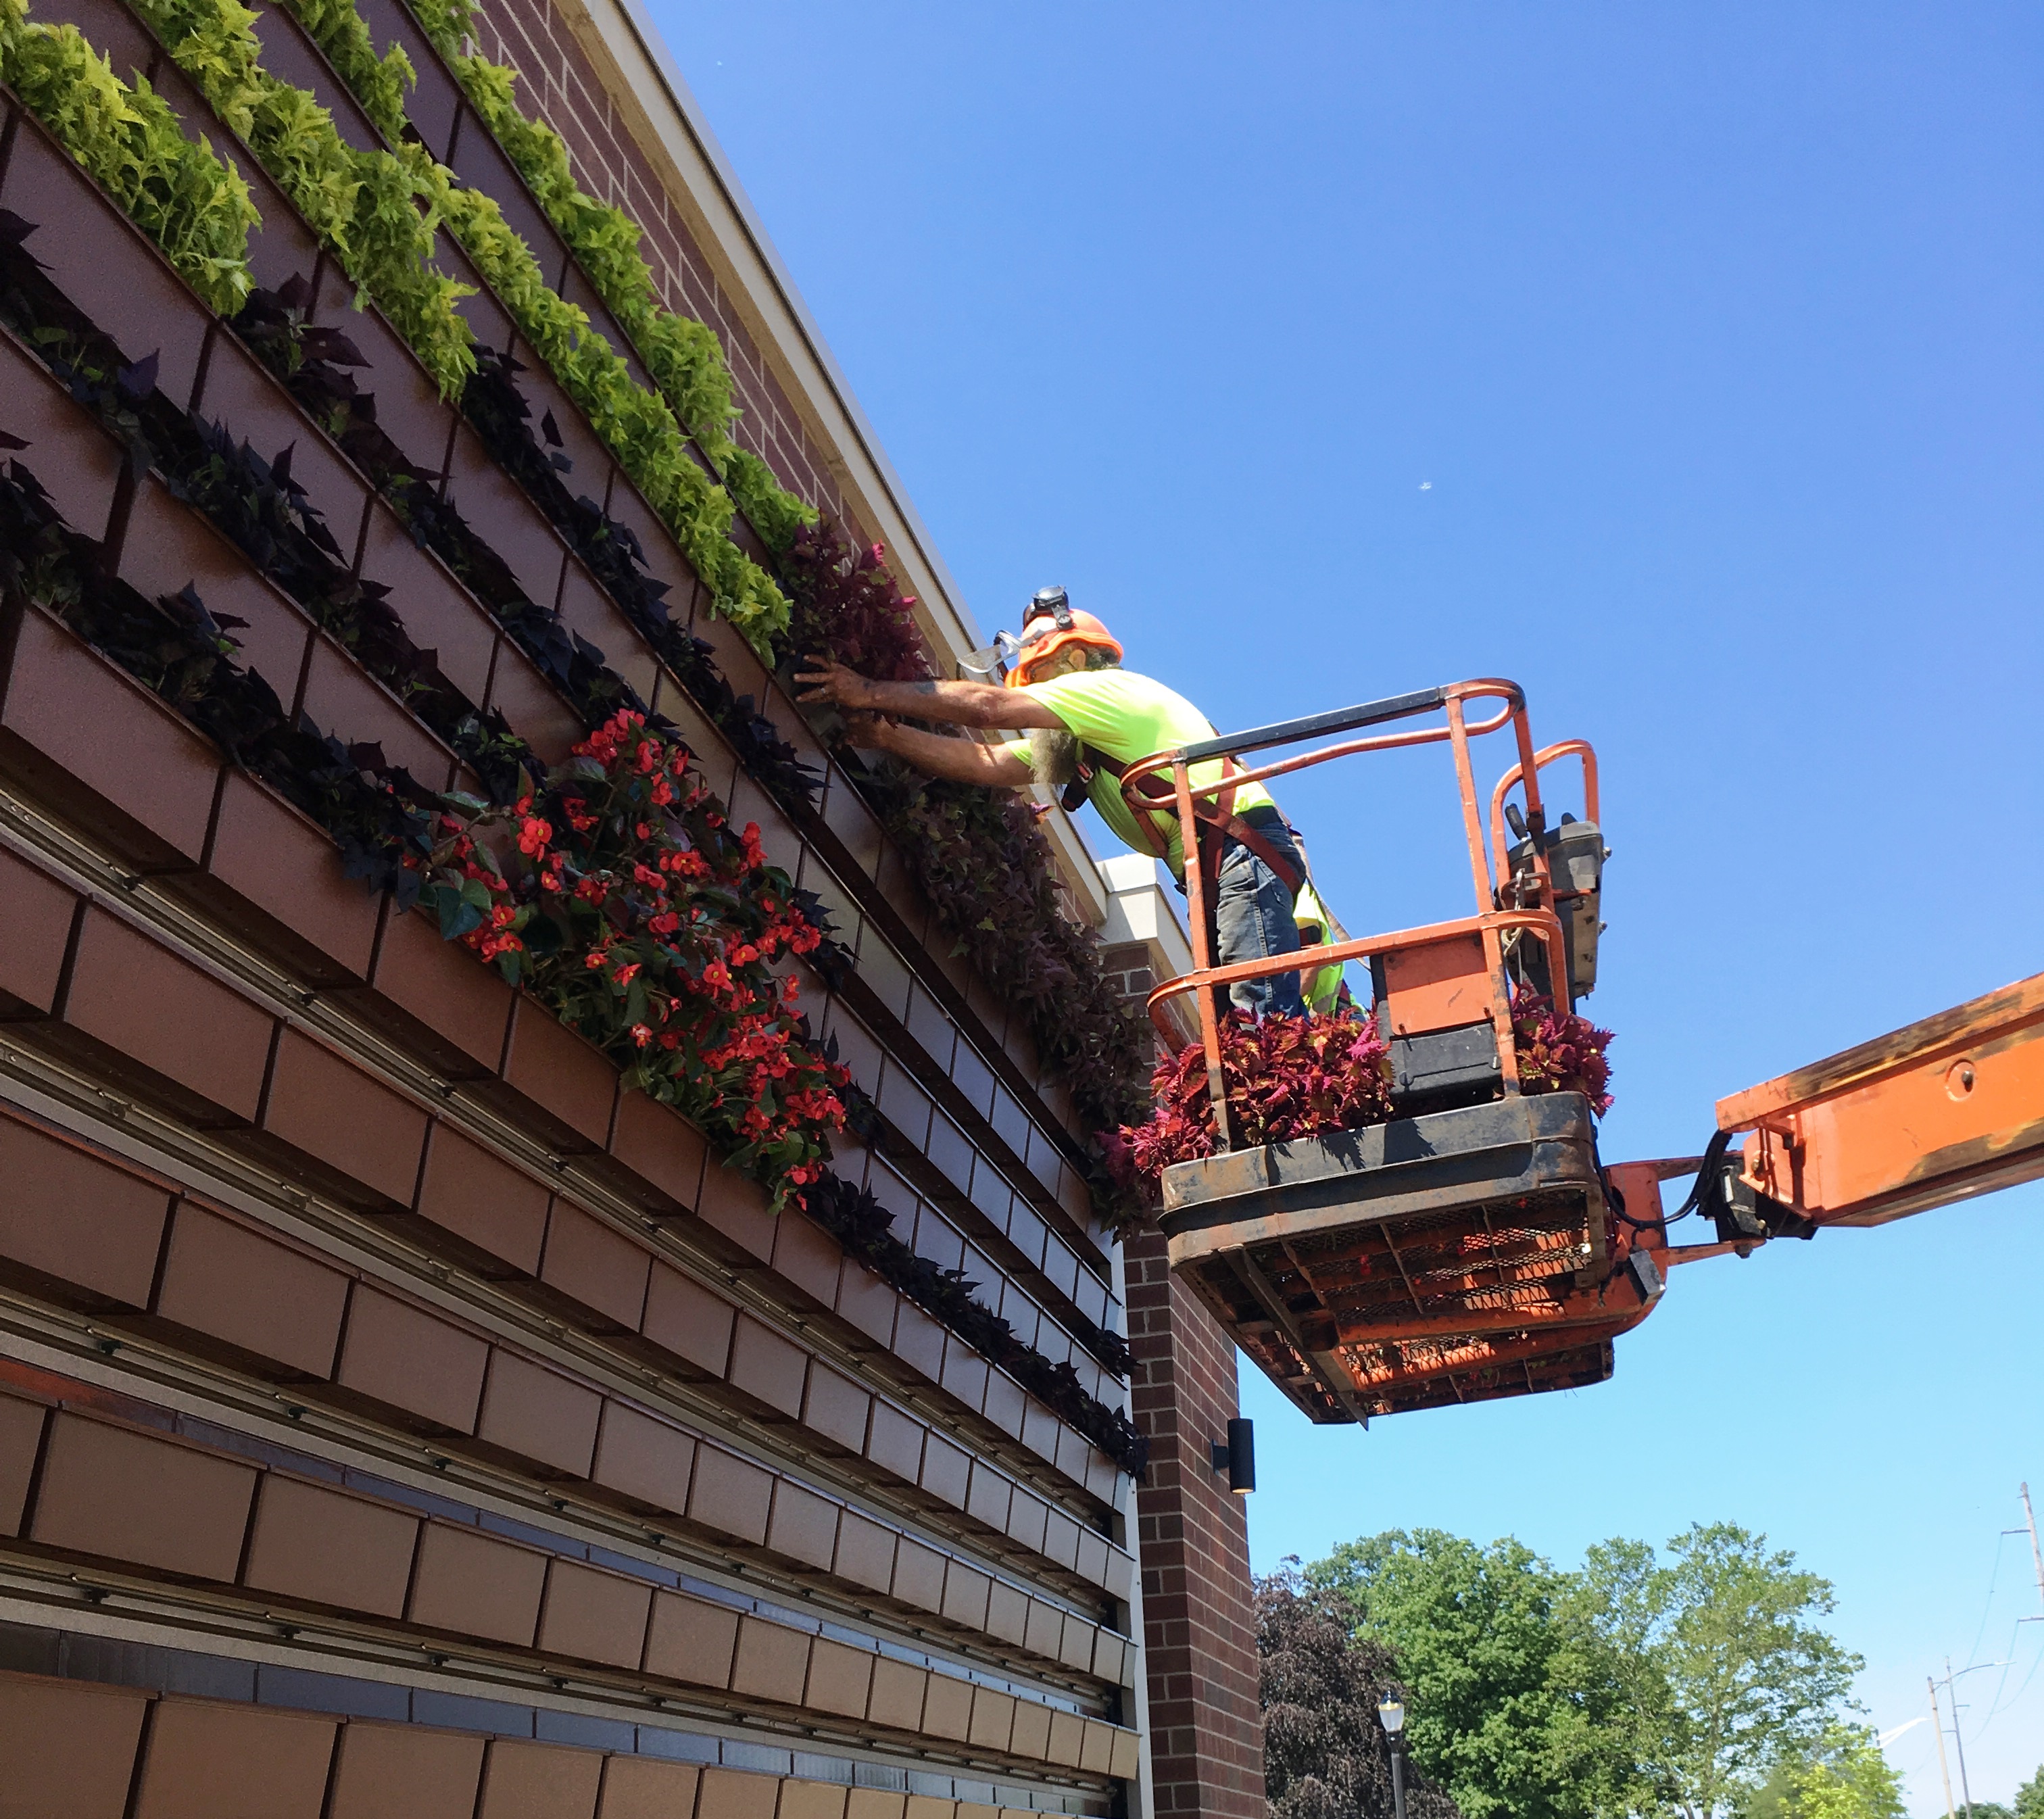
(1472, 1247)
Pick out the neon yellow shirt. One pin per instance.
(1129, 717)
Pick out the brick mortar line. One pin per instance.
(227, 1601)
(218, 1392)
(296, 1458)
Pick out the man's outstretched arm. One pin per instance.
(961, 760)
(959, 703)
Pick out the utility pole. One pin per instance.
(1937, 1724)
(2036, 1558)
(1958, 1742)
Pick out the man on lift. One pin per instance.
(1088, 719)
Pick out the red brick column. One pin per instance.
(1206, 1733)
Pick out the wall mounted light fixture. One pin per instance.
(1236, 1455)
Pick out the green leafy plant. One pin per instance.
(190, 200)
(446, 24)
(641, 428)
(637, 425)
(364, 204)
(684, 357)
(379, 83)
(779, 515)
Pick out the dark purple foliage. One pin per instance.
(843, 600)
(864, 1228)
(1563, 1054)
(1325, 1755)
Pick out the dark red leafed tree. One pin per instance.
(1325, 1755)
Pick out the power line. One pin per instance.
(1986, 1610)
(2001, 1686)
(2037, 1560)
(2031, 1675)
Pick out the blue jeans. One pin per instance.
(1252, 917)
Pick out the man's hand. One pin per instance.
(825, 680)
(868, 732)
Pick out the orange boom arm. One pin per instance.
(1948, 1108)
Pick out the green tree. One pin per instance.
(1841, 1775)
(1516, 1699)
(1731, 1631)
(1325, 1755)
(2030, 1796)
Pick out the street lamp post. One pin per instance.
(1391, 1714)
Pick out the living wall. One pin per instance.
(679, 988)
(981, 859)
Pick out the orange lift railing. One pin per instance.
(1467, 1249)
(1440, 970)
(1476, 1246)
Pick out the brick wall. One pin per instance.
(484, 1368)
(559, 86)
(1206, 1730)
(1128, 970)
(1206, 1734)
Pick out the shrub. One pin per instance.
(1285, 1077)
(1560, 1054)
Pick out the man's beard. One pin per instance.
(1053, 755)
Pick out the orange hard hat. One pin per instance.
(1050, 625)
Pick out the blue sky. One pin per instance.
(1685, 363)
